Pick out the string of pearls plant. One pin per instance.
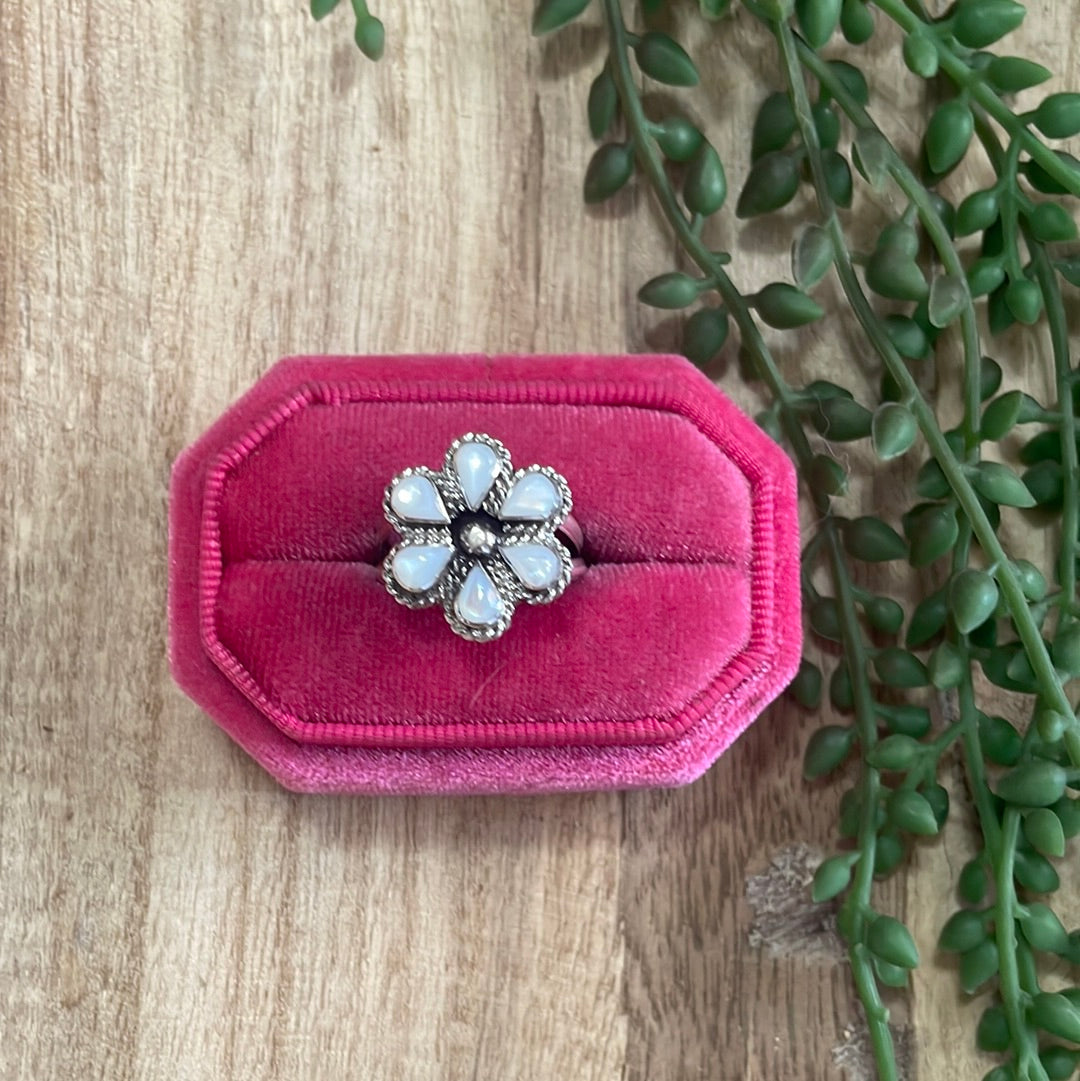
(989, 616)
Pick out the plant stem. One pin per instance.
(1026, 628)
(1063, 378)
(857, 903)
(964, 77)
(1028, 1066)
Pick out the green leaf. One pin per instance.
(872, 541)
(872, 155)
(912, 812)
(1054, 1013)
(948, 135)
(984, 276)
(1011, 74)
(895, 753)
(977, 212)
(826, 123)
(890, 940)
(841, 692)
(837, 178)
(948, 296)
(1051, 222)
(896, 667)
(927, 620)
(784, 307)
(1058, 116)
(1034, 784)
(772, 183)
(811, 256)
(827, 475)
(1023, 298)
(1066, 650)
(856, 21)
(1058, 1062)
(884, 614)
(671, 291)
(973, 596)
(827, 748)
(938, 798)
(993, 1033)
(905, 720)
(1044, 832)
(933, 533)
(1046, 483)
(978, 23)
(714, 9)
(665, 60)
(370, 37)
(609, 169)
(907, 337)
(841, 420)
(825, 619)
(853, 80)
(978, 965)
(893, 430)
(963, 931)
(972, 884)
(705, 185)
(1042, 181)
(1043, 929)
(321, 8)
(921, 55)
(774, 126)
(704, 336)
(603, 103)
(1000, 415)
(806, 686)
(833, 876)
(678, 139)
(1068, 812)
(1035, 872)
(552, 14)
(999, 484)
(895, 276)
(817, 20)
(1050, 725)
(1001, 743)
(888, 854)
(946, 667)
(889, 975)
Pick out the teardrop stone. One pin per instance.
(533, 498)
(477, 466)
(416, 499)
(417, 567)
(478, 602)
(536, 565)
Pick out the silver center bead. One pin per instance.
(478, 540)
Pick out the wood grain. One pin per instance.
(188, 192)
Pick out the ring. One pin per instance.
(479, 537)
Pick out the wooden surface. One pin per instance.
(187, 192)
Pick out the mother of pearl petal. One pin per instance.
(417, 567)
(533, 498)
(536, 565)
(477, 466)
(416, 499)
(478, 602)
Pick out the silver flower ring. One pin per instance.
(479, 537)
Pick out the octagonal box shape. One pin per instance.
(683, 627)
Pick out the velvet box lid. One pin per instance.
(684, 625)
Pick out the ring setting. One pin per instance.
(478, 537)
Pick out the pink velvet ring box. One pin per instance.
(683, 626)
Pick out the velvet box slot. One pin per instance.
(684, 625)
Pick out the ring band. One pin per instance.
(479, 537)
